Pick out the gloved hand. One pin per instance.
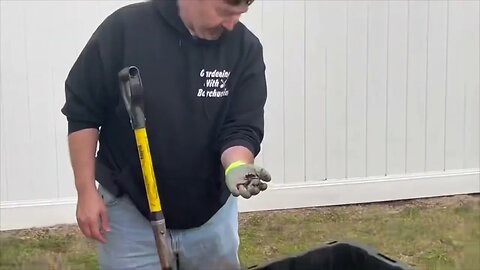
(246, 179)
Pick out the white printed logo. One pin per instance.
(215, 83)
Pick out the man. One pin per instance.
(204, 84)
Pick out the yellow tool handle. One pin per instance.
(147, 168)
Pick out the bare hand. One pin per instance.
(92, 216)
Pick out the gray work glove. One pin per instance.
(246, 180)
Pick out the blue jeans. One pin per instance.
(131, 244)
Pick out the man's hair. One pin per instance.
(239, 2)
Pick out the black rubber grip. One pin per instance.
(133, 95)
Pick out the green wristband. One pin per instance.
(233, 165)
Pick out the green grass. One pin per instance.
(439, 233)
(47, 248)
(430, 234)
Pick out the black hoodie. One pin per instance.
(201, 97)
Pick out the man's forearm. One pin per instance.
(82, 145)
(236, 153)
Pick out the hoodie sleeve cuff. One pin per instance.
(79, 125)
(240, 142)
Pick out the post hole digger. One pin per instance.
(132, 94)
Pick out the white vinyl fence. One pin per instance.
(368, 101)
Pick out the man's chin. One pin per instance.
(211, 36)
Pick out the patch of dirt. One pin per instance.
(445, 201)
(63, 230)
(389, 206)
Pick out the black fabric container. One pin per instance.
(336, 256)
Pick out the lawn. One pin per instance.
(437, 233)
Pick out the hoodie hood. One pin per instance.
(169, 11)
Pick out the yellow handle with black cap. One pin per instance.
(133, 97)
